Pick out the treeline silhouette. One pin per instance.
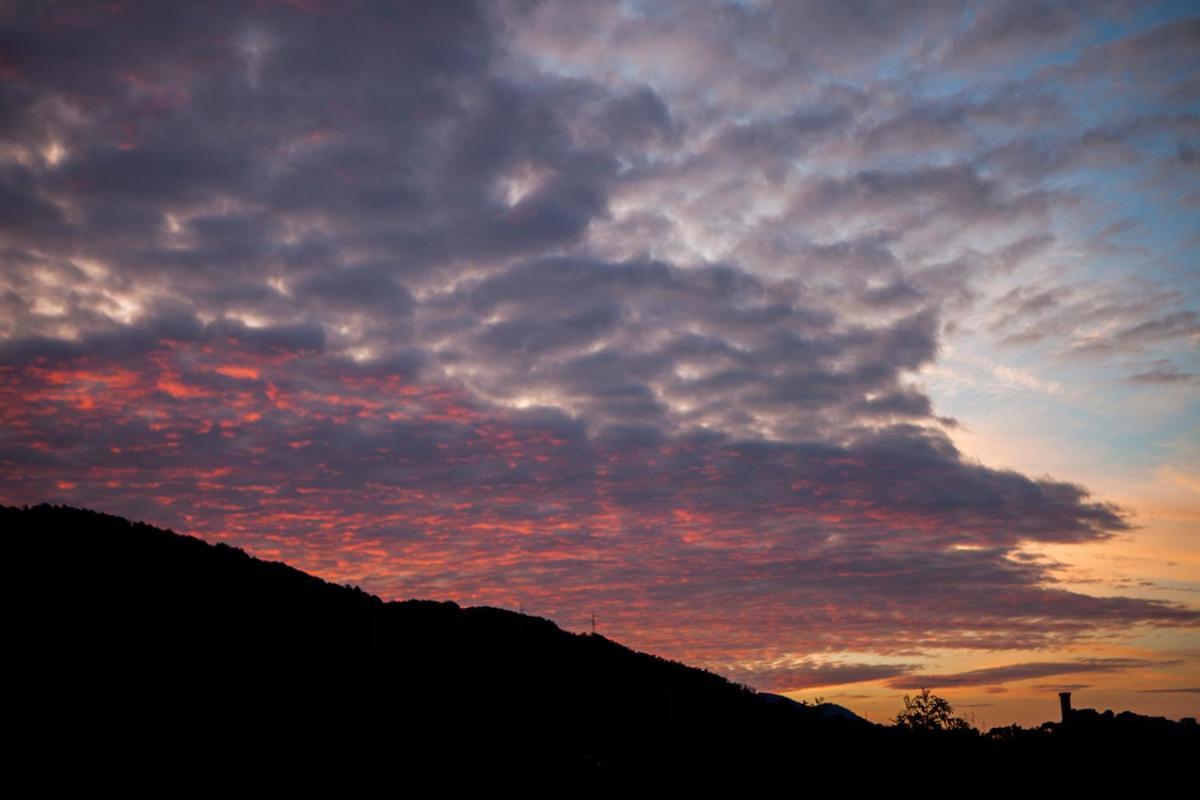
(136, 646)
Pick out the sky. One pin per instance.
(842, 349)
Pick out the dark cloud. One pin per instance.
(811, 675)
(1014, 29)
(1164, 372)
(358, 287)
(1019, 672)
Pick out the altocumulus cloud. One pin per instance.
(422, 296)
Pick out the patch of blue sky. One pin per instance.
(1085, 414)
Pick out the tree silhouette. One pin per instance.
(928, 712)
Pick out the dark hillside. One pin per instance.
(174, 635)
(136, 646)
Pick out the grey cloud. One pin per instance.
(279, 338)
(963, 121)
(701, 345)
(361, 286)
(1013, 29)
(1176, 325)
(1151, 53)
(380, 160)
(910, 198)
(897, 294)
(1028, 302)
(1163, 372)
(126, 343)
(781, 138)
(1098, 321)
(1031, 160)
(726, 49)
(22, 210)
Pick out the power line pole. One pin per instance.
(593, 623)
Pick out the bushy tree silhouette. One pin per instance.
(928, 712)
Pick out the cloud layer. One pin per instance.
(585, 307)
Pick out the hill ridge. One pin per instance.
(139, 644)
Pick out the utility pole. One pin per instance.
(593, 623)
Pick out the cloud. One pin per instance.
(1176, 325)
(680, 348)
(1163, 372)
(1020, 672)
(1099, 322)
(813, 675)
(1133, 59)
(581, 306)
(369, 472)
(1008, 30)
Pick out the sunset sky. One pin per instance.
(841, 348)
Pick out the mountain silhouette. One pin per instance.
(180, 637)
(138, 646)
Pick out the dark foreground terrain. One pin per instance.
(139, 651)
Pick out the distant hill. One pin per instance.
(135, 645)
(822, 710)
